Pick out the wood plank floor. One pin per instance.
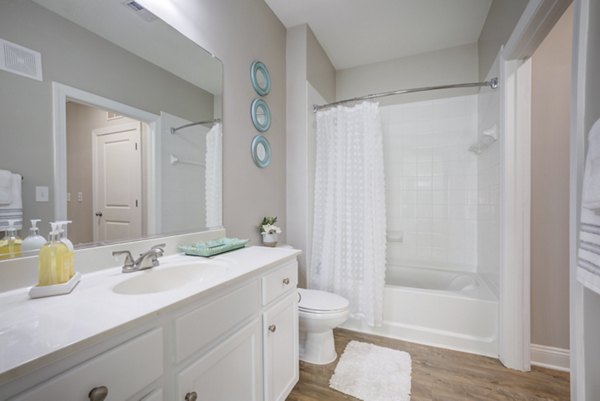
(441, 375)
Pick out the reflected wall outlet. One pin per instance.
(68, 197)
(41, 194)
(79, 197)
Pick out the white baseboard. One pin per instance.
(550, 357)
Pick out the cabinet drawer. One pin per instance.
(279, 281)
(196, 329)
(123, 370)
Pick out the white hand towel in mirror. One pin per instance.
(5, 187)
(591, 177)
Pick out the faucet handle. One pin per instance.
(159, 247)
(158, 251)
(129, 262)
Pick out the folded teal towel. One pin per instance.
(213, 247)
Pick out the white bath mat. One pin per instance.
(372, 373)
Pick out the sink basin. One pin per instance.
(153, 281)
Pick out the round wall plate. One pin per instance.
(261, 114)
(261, 151)
(260, 77)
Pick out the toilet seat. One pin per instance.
(321, 302)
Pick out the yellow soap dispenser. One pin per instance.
(10, 245)
(52, 267)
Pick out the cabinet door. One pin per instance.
(229, 372)
(280, 333)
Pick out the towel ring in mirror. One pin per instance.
(261, 114)
(261, 151)
(261, 80)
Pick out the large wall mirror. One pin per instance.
(124, 127)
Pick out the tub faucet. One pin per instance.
(146, 260)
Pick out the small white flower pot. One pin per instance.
(269, 239)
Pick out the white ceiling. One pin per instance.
(358, 32)
(154, 41)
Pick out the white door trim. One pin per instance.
(514, 336)
(60, 95)
(538, 18)
(514, 305)
(578, 135)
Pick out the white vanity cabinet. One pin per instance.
(257, 363)
(236, 342)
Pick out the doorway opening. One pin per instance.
(107, 186)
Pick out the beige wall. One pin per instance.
(501, 20)
(73, 56)
(320, 70)
(447, 66)
(551, 96)
(239, 32)
(309, 72)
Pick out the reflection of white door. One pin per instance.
(117, 182)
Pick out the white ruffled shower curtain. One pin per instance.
(213, 177)
(348, 251)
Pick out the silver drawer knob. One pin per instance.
(272, 328)
(191, 396)
(286, 281)
(98, 393)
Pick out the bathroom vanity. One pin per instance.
(222, 328)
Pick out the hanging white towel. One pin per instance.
(588, 263)
(5, 187)
(14, 210)
(591, 179)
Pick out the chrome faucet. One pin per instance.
(146, 260)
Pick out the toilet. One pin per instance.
(319, 312)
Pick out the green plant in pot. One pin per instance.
(269, 231)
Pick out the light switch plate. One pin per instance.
(41, 194)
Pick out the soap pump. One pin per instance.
(34, 241)
(62, 229)
(52, 269)
(69, 259)
(10, 245)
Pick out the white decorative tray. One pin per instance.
(57, 289)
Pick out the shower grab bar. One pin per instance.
(174, 130)
(492, 83)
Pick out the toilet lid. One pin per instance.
(321, 301)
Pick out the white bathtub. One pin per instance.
(453, 310)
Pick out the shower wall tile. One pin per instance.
(432, 182)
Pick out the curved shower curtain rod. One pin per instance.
(492, 83)
(174, 130)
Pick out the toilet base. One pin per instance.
(317, 348)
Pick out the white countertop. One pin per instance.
(35, 331)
